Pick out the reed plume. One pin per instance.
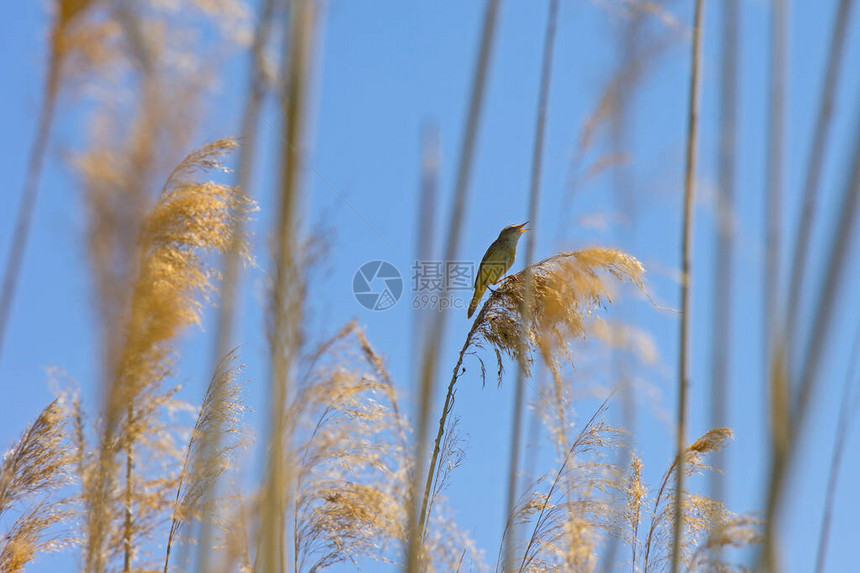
(707, 525)
(569, 511)
(190, 218)
(40, 461)
(33, 533)
(566, 290)
(202, 467)
(173, 281)
(33, 476)
(352, 466)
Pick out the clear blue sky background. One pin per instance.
(387, 68)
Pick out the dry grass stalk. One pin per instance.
(34, 532)
(531, 241)
(451, 456)
(433, 342)
(143, 77)
(351, 475)
(189, 218)
(686, 271)
(569, 516)
(788, 343)
(40, 461)
(777, 68)
(568, 288)
(206, 458)
(776, 368)
(814, 167)
(708, 526)
(431, 159)
(787, 438)
(578, 512)
(68, 11)
(723, 268)
(288, 287)
(40, 464)
(842, 429)
(135, 507)
(445, 546)
(257, 89)
(635, 493)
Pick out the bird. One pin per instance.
(496, 262)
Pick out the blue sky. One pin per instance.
(386, 69)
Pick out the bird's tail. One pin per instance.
(476, 299)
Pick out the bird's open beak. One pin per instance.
(523, 227)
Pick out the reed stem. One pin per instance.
(686, 273)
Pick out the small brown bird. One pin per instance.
(496, 262)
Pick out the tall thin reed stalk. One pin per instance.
(846, 405)
(838, 252)
(775, 369)
(775, 165)
(226, 314)
(723, 269)
(443, 419)
(258, 85)
(68, 11)
(433, 343)
(286, 295)
(639, 50)
(823, 310)
(686, 274)
(817, 154)
(788, 343)
(426, 222)
(531, 241)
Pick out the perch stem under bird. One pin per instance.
(497, 260)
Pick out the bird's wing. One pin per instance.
(493, 266)
(486, 256)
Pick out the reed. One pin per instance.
(145, 475)
(687, 276)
